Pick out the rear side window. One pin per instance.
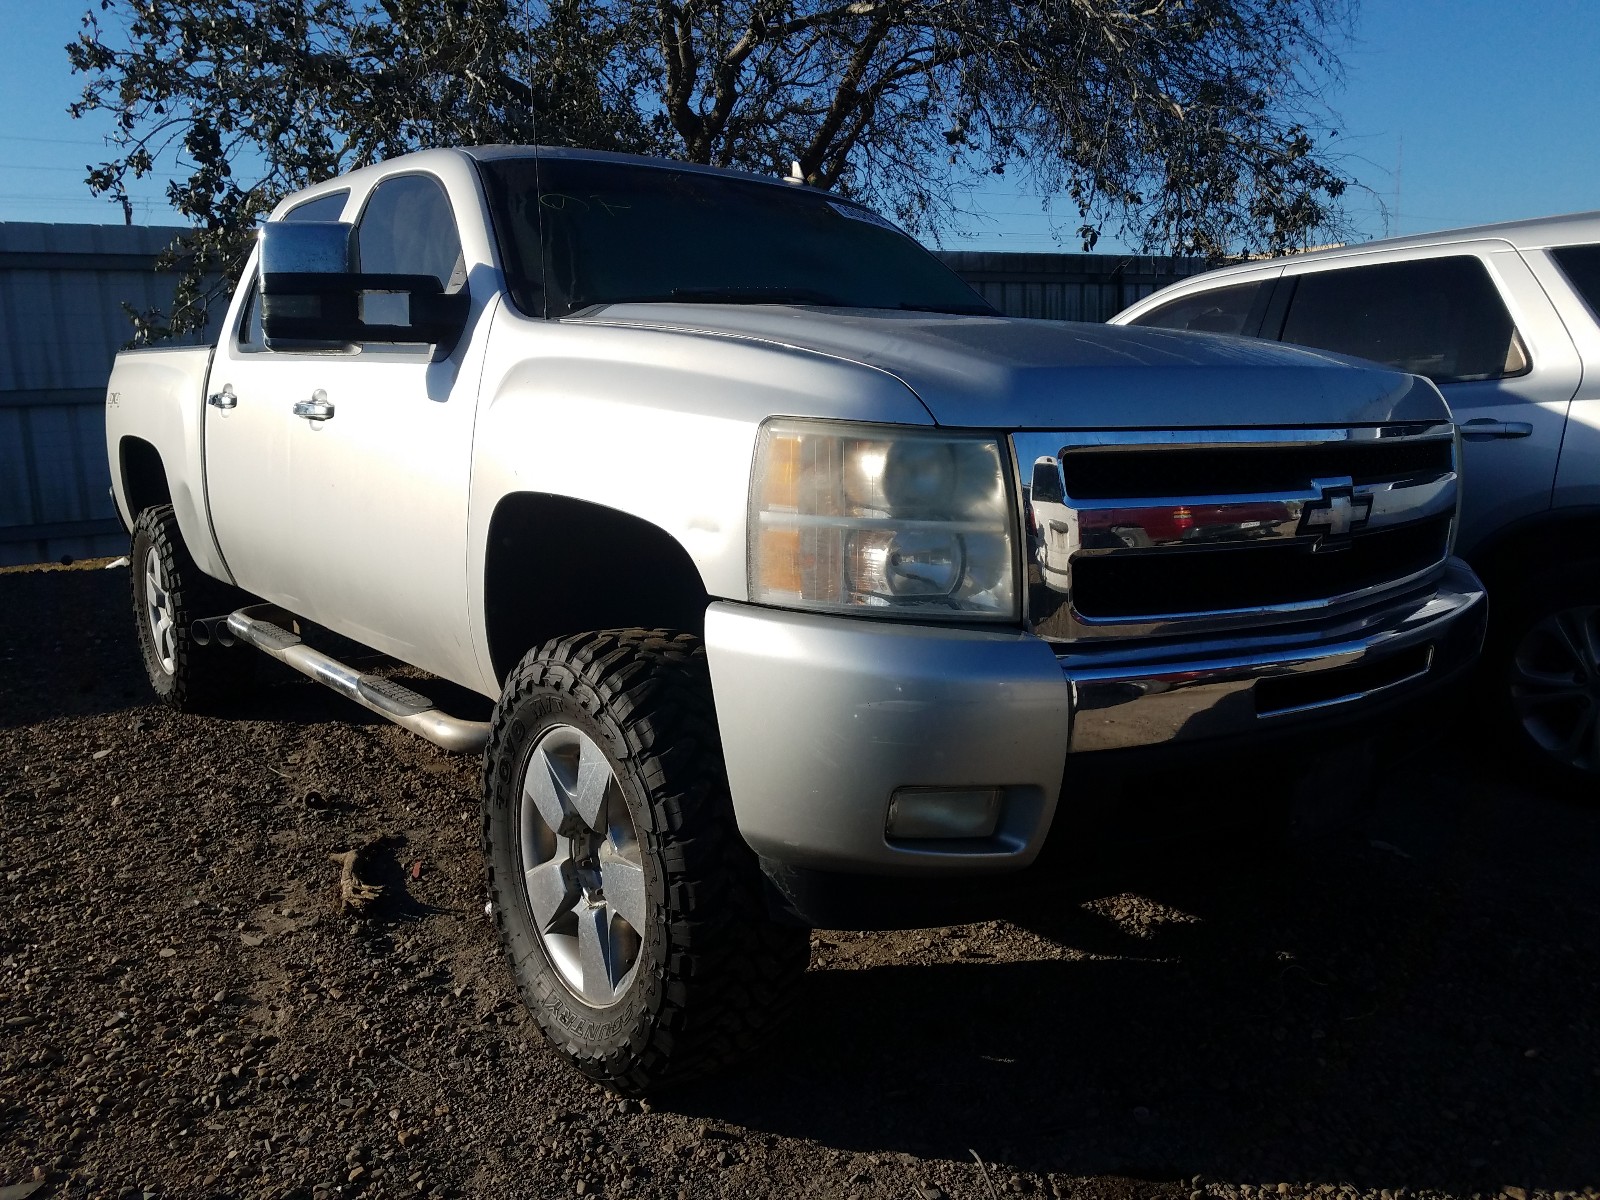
(1046, 486)
(1225, 310)
(320, 208)
(1581, 266)
(1439, 317)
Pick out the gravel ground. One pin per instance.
(1412, 1010)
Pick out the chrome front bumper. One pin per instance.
(823, 718)
(1152, 697)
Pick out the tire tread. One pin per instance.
(729, 971)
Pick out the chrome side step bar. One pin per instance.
(262, 626)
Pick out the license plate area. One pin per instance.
(1281, 695)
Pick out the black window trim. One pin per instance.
(251, 300)
(534, 281)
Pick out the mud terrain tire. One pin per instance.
(623, 722)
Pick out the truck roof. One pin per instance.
(422, 158)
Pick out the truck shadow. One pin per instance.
(70, 650)
(1410, 1013)
(68, 646)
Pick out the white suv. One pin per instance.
(1504, 319)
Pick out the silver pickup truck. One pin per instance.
(801, 580)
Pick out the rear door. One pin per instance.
(1571, 276)
(247, 431)
(1471, 317)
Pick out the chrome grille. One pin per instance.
(1141, 534)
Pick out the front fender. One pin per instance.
(657, 424)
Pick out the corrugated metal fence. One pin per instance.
(1067, 287)
(62, 288)
(62, 291)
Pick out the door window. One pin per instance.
(1225, 310)
(407, 228)
(320, 208)
(1439, 317)
(1581, 266)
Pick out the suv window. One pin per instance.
(1225, 310)
(1439, 317)
(407, 228)
(1581, 266)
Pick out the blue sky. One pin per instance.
(1452, 113)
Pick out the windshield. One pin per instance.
(591, 233)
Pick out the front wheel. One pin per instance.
(632, 913)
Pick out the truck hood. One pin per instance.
(1012, 373)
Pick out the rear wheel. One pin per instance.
(633, 914)
(1542, 665)
(169, 593)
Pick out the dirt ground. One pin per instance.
(1408, 1010)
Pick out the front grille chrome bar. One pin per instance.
(1270, 525)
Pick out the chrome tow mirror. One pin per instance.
(312, 294)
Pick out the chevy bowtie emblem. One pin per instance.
(1335, 516)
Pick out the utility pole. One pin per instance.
(1399, 163)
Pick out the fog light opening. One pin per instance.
(943, 813)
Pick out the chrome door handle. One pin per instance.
(223, 399)
(315, 409)
(1485, 428)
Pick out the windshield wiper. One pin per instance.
(777, 295)
(724, 295)
(756, 295)
(965, 310)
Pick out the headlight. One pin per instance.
(847, 518)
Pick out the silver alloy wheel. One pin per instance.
(582, 870)
(158, 611)
(1555, 686)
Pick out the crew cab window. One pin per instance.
(1581, 266)
(1439, 317)
(319, 208)
(1225, 310)
(407, 228)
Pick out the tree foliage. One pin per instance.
(1187, 126)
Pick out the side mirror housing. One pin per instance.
(312, 294)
